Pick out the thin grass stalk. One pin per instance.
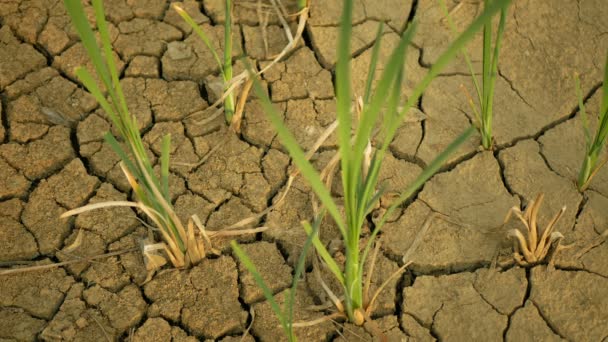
(229, 104)
(371, 73)
(593, 147)
(285, 314)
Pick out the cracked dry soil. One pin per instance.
(53, 159)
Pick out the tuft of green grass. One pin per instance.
(360, 167)
(182, 246)
(151, 192)
(485, 93)
(593, 146)
(224, 64)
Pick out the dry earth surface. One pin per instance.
(53, 158)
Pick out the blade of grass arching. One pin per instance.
(343, 105)
(164, 166)
(604, 105)
(298, 272)
(115, 146)
(448, 55)
(324, 253)
(261, 283)
(603, 116)
(229, 102)
(85, 77)
(371, 73)
(298, 156)
(374, 199)
(79, 19)
(102, 26)
(199, 33)
(465, 53)
(427, 173)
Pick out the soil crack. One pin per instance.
(547, 321)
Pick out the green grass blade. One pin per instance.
(102, 26)
(298, 272)
(343, 106)
(426, 174)
(604, 105)
(229, 102)
(298, 156)
(486, 64)
(164, 166)
(603, 115)
(85, 77)
(324, 253)
(261, 284)
(302, 4)
(79, 19)
(188, 19)
(371, 73)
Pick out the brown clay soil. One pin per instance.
(53, 158)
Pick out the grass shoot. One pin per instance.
(225, 64)
(485, 93)
(359, 165)
(593, 146)
(285, 314)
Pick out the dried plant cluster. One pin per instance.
(531, 243)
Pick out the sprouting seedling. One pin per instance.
(359, 175)
(234, 111)
(285, 314)
(184, 245)
(225, 64)
(532, 244)
(485, 94)
(593, 146)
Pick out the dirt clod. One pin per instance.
(453, 308)
(16, 58)
(204, 299)
(527, 323)
(552, 290)
(39, 293)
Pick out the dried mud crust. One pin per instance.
(53, 159)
